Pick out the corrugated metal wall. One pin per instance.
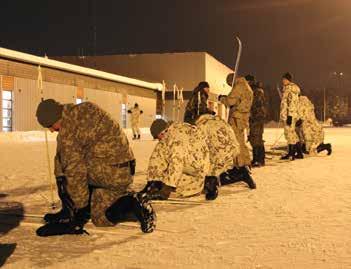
(109, 101)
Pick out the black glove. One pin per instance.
(289, 121)
(220, 96)
(132, 165)
(213, 113)
(299, 123)
(157, 190)
(141, 112)
(129, 111)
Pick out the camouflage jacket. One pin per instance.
(221, 142)
(239, 99)
(290, 102)
(182, 152)
(88, 134)
(305, 109)
(258, 110)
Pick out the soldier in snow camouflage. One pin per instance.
(239, 100)
(179, 162)
(312, 134)
(135, 120)
(224, 148)
(94, 166)
(289, 115)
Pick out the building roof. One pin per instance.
(43, 61)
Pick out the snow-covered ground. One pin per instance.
(299, 216)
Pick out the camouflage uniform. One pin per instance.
(312, 130)
(257, 116)
(289, 107)
(221, 141)
(135, 120)
(194, 108)
(90, 149)
(181, 160)
(240, 100)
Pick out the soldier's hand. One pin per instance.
(289, 121)
(220, 96)
(299, 123)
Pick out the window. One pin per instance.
(124, 116)
(79, 101)
(7, 111)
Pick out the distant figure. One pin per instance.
(135, 119)
(289, 115)
(257, 117)
(197, 104)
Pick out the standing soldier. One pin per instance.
(179, 163)
(197, 104)
(239, 100)
(94, 166)
(257, 116)
(135, 115)
(289, 115)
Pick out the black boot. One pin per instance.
(73, 225)
(246, 177)
(326, 147)
(134, 137)
(255, 157)
(211, 187)
(236, 175)
(138, 204)
(303, 148)
(299, 153)
(262, 156)
(291, 153)
(138, 136)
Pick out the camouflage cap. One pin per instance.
(49, 112)
(157, 127)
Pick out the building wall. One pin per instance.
(183, 69)
(216, 75)
(64, 87)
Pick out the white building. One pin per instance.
(26, 79)
(185, 70)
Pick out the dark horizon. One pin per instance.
(306, 37)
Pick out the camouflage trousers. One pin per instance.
(239, 126)
(135, 129)
(290, 133)
(313, 135)
(107, 183)
(256, 133)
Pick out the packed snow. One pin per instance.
(299, 216)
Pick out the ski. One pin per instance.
(238, 56)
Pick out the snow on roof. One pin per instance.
(42, 61)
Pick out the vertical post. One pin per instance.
(324, 103)
(163, 98)
(174, 102)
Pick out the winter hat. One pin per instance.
(157, 127)
(288, 76)
(49, 112)
(203, 84)
(250, 78)
(230, 79)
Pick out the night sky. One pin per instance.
(310, 38)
